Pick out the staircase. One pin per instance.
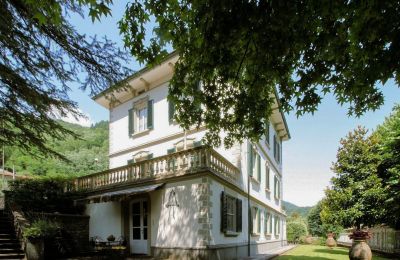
(9, 244)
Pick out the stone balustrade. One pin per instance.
(175, 164)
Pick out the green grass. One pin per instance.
(313, 252)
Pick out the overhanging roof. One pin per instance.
(113, 195)
(150, 77)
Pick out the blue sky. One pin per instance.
(307, 157)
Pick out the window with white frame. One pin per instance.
(267, 133)
(267, 220)
(267, 176)
(254, 163)
(277, 188)
(256, 221)
(277, 226)
(140, 116)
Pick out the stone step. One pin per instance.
(12, 256)
(7, 236)
(10, 250)
(9, 244)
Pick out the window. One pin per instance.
(256, 216)
(254, 163)
(277, 226)
(277, 188)
(271, 223)
(267, 220)
(267, 178)
(140, 116)
(267, 133)
(277, 149)
(231, 214)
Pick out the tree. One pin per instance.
(295, 230)
(357, 195)
(233, 54)
(41, 54)
(389, 168)
(314, 220)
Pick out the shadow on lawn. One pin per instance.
(331, 251)
(300, 257)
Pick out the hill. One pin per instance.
(292, 208)
(87, 154)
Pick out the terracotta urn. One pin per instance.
(330, 241)
(308, 240)
(360, 250)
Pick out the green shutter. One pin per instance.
(224, 211)
(130, 161)
(131, 126)
(172, 150)
(258, 220)
(270, 223)
(258, 167)
(267, 172)
(275, 186)
(275, 147)
(238, 215)
(171, 111)
(267, 132)
(249, 159)
(150, 114)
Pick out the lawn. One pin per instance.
(319, 253)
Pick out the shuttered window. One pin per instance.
(256, 221)
(267, 177)
(277, 226)
(231, 214)
(277, 188)
(267, 133)
(141, 117)
(254, 163)
(271, 223)
(267, 220)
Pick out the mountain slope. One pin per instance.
(292, 208)
(87, 154)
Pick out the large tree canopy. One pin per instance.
(241, 51)
(40, 54)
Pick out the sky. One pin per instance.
(307, 156)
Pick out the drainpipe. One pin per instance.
(248, 209)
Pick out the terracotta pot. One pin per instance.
(308, 240)
(330, 241)
(360, 250)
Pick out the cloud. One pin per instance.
(83, 120)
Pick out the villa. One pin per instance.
(170, 196)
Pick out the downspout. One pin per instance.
(248, 206)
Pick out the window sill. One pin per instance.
(231, 234)
(138, 134)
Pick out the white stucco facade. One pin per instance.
(192, 221)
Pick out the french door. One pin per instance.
(138, 226)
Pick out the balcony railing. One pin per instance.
(179, 163)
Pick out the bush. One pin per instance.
(295, 230)
(43, 195)
(41, 229)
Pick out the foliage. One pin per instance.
(41, 228)
(81, 153)
(3, 186)
(295, 230)
(314, 220)
(357, 196)
(389, 168)
(291, 208)
(43, 195)
(241, 51)
(41, 54)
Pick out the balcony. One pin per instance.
(190, 161)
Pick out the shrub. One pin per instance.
(41, 228)
(295, 230)
(43, 195)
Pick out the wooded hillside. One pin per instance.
(87, 154)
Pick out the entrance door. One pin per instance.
(138, 225)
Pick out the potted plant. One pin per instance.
(35, 236)
(360, 250)
(111, 238)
